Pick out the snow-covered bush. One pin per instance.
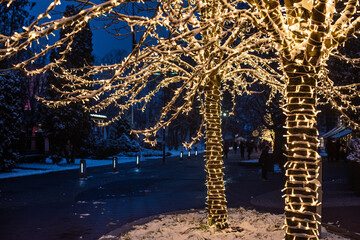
(56, 158)
(10, 120)
(354, 150)
(128, 145)
(102, 148)
(106, 147)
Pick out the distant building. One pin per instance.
(334, 142)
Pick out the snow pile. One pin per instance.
(245, 224)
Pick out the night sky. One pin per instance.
(102, 41)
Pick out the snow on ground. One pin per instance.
(245, 224)
(26, 169)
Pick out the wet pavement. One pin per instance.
(60, 206)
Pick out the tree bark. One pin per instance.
(302, 169)
(216, 201)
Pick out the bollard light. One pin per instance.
(189, 154)
(196, 153)
(181, 155)
(138, 161)
(115, 164)
(82, 168)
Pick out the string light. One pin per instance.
(226, 55)
(306, 36)
(205, 32)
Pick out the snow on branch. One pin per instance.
(345, 17)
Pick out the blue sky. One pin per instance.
(102, 41)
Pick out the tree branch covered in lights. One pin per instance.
(306, 33)
(199, 48)
(219, 39)
(37, 30)
(223, 51)
(226, 55)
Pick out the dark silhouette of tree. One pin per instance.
(68, 127)
(12, 83)
(11, 105)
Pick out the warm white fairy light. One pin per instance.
(305, 37)
(204, 32)
(304, 34)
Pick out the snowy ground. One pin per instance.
(26, 169)
(245, 224)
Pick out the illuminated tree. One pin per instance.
(306, 33)
(222, 44)
(207, 40)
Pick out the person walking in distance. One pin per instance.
(242, 150)
(249, 149)
(235, 146)
(264, 162)
(226, 149)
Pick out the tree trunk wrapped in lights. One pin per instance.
(227, 52)
(305, 35)
(302, 169)
(216, 201)
(303, 185)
